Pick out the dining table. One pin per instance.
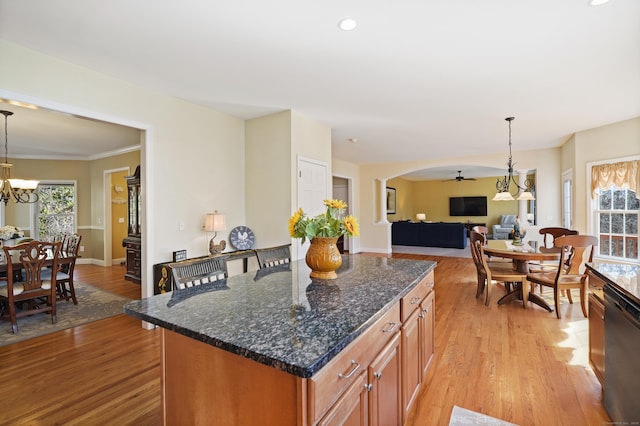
(522, 255)
(63, 258)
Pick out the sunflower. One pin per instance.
(351, 225)
(293, 221)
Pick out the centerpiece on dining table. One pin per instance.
(323, 231)
(10, 232)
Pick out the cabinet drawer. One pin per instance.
(326, 386)
(411, 300)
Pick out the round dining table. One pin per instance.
(522, 254)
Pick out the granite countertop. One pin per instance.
(623, 277)
(282, 318)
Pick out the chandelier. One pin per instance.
(502, 185)
(18, 190)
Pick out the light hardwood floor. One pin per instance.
(523, 366)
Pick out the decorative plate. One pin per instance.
(242, 238)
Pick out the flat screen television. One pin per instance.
(467, 206)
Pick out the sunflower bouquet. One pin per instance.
(328, 224)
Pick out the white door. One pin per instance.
(313, 189)
(567, 200)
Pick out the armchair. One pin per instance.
(502, 230)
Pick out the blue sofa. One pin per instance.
(429, 234)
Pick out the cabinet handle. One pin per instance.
(368, 387)
(415, 300)
(352, 372)
(378, 375)
(392, 326)
(425, 310)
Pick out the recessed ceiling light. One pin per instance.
(347, 24)
(597, 2)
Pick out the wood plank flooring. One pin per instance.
(523, 366)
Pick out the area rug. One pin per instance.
(461, 416)
(93, 305)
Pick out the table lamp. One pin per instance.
(215, 222)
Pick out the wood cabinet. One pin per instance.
(133, 242)
(417, 340)
(596, 336)
(596, 326)
(374, 380)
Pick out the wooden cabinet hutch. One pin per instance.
(133, 241)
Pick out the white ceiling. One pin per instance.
(415, 79)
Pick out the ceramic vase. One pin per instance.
(323, 257)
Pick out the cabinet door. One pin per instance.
(596, 337)
(385, 396)
(411, 365)
(351, 408)
(427, 333)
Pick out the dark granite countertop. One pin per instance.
(623, 277)
(280, 317)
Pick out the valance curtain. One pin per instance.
(623, 175)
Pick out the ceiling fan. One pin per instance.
(460, 178)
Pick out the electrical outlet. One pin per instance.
(81, 248)
(121, 220)
(181, 227)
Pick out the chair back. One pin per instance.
(31, 256)
(576, 251)
(476, 241)
(274, 256)
(481, 230)
(71, 244)
(554, 232)
(190, 273)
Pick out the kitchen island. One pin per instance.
(275, 347)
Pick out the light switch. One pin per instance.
(181, 226)
(121, 220)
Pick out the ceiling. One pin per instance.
(415, 80)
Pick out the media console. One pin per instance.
(429, 234)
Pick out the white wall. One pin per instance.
(187, 158)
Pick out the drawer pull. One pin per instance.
(352, 372)
(378, 375)
(368, 387)
(415, 300)
(425, 310)
(392, 326)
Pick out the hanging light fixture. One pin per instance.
(502, 185)
(18, 190)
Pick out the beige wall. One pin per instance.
(376, 235)
(613, 141)
(432, 198)
(89, 178)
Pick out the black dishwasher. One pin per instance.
(622, 356)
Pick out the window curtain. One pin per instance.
(623, 175)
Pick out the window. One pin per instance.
(616, 217)
(56, 213)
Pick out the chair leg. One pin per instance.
(488, 293)
(568, 293)
(556, 299)
(583, 300)
(481, 284)
(72, 290)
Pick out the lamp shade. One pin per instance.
(503, 196)
(421, 216)
(527, 196)
(215, 222)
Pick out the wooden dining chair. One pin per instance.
(191, 273)
(550, 234)
(273, 256)
(33, 293)
(487, 271)
(65, 289)
(570, 272)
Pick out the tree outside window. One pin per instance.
(56, 211)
